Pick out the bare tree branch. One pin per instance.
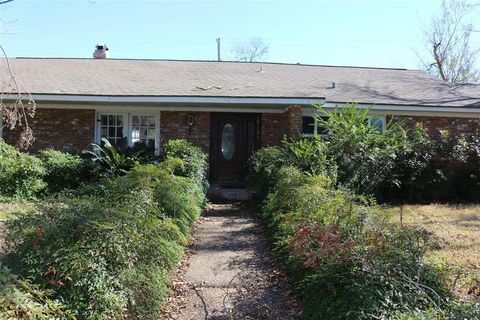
(13, 109)
(447, 39)
(252, 50)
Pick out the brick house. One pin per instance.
(227, 108)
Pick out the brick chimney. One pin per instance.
(101, 51)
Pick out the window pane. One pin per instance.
(228, 141)
(151, 121)
(143, 133)
(103, 132)
(143, 120)
(111, 132)
(321, 129)
(120, 120)
(120, 132)
(135, 120)
(151, 133)
(111, 120)
(103, 120)
(377, 122)
(308, 125)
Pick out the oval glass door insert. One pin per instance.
(228, 141)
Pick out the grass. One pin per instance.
(8, 209)
(458, 229)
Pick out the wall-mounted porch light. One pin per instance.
(190, 122)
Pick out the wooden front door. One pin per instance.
(234, 138)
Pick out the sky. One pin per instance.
(377, 33)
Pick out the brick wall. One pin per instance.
(277, 125)
(61, 129)
(294, 121)
(433, 125)
(174, 125)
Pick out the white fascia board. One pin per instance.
(155, 108)
(173, 99)
(408, 110)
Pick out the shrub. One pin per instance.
(21, 175)
(264, 167)
(347, 262)
(194, 160)
(63, 170)
(19, 299)
(307, 154)
(366, 157)
(106, 252)
(108, 161)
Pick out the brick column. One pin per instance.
(294, 121)
(275, 126)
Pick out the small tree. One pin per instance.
(252, 50)
(448, 43)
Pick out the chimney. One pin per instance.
(101, 51)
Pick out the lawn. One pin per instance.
(458, 229)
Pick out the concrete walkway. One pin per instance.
(229, 273)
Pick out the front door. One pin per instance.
(234, 138)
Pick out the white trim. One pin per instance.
(154, 108)
(172, 99)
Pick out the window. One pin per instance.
(378, 121)
(144, 130)
(129, 130)
(311, 126)
(112, 127)
(308, 126)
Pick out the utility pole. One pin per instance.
(218, 49)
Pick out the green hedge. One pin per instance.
(194, 159)
(24, 176)
(346, 261)
(63, 170)
(106, 252)
(21, 175)
(19, 299)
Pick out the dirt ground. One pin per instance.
(229, 272)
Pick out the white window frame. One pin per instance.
(313, 113)
(127, 125)
(99, 124)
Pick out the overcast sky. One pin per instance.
(382, 33)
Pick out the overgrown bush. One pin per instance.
(110, 162)
(106, 252)
(194, 159)
(368, 159)
(63, 170)
(21, 175)
(394, 165)
(347, 262)
(19, 299)
(307, 154)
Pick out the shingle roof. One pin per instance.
(120, 77)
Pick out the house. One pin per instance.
(227, 108)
